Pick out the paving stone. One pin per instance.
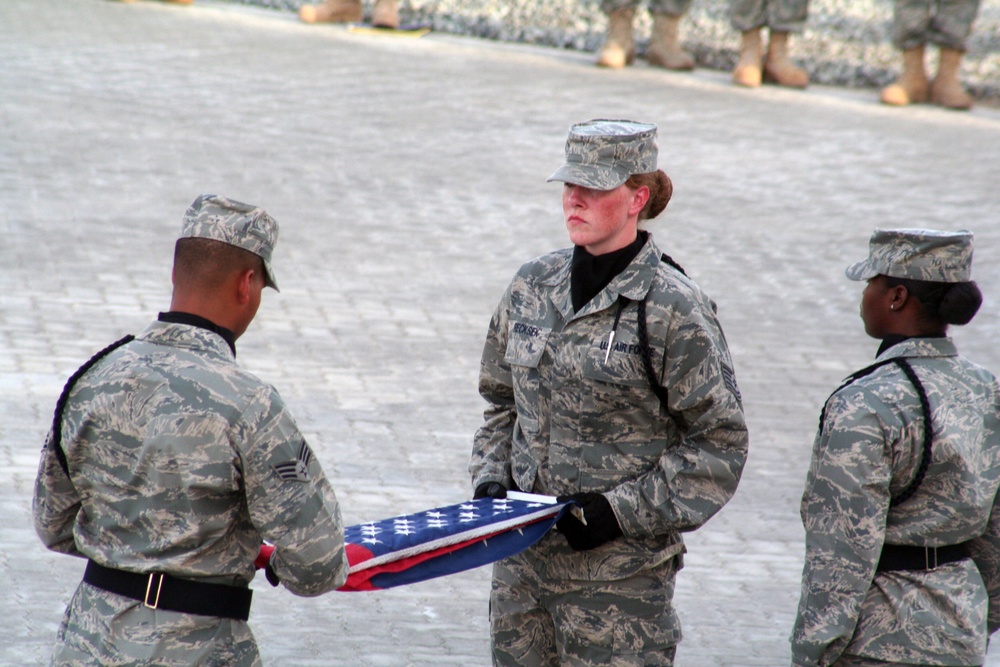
(409, 180)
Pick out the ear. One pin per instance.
(898, 296)
(639, 198)
(244, 286)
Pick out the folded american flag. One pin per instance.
(416, 547)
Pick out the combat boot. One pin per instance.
(911, 86)
(385, 14)
(778, 67)
(946, 89)
(748, 67)
(619, 47)
(664, 49)
(333, 11)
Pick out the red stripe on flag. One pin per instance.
(357, 553)
(359, 581)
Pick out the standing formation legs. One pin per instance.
(664, 48)
(385, 13)
(916, 24)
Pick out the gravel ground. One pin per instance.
(846, 42)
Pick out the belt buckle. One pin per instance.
(149, 589)
(930, 558)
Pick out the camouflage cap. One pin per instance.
(602, 154)
(242, 225)
(917, 254)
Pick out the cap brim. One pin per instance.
(269, 280)
(860, 271)
(587, 177)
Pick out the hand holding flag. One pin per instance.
(592, 524)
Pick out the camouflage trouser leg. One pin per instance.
(668, 7)
(778, 15)
(540, 620)
(102, 629)
(942, 22)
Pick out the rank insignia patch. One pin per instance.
(729, 377)
(296, 470)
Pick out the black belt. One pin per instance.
(162, 591)
(902, 557)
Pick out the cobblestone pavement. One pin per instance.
(408, 176)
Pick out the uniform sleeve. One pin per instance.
(290, 500)
(844, 510)
(985, 551)
(55, 503)
(697, 476)
(492, 443)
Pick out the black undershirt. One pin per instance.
(177, 317)
(589, 274)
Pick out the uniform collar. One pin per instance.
(178, 317)
(589, 274)
(634, 283)
(889, 341)
(941, 346)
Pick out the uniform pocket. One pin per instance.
(622, 366)
(620, 414)
(526, 344)
(525, 348)
(626, 623)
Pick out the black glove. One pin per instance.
(271, 575)
(602, 525)
(490, 490)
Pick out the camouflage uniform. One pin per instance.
(868, 450)
(918, 22)
(668, 7)
(562, 419)
(778, 15)
(180, 462)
